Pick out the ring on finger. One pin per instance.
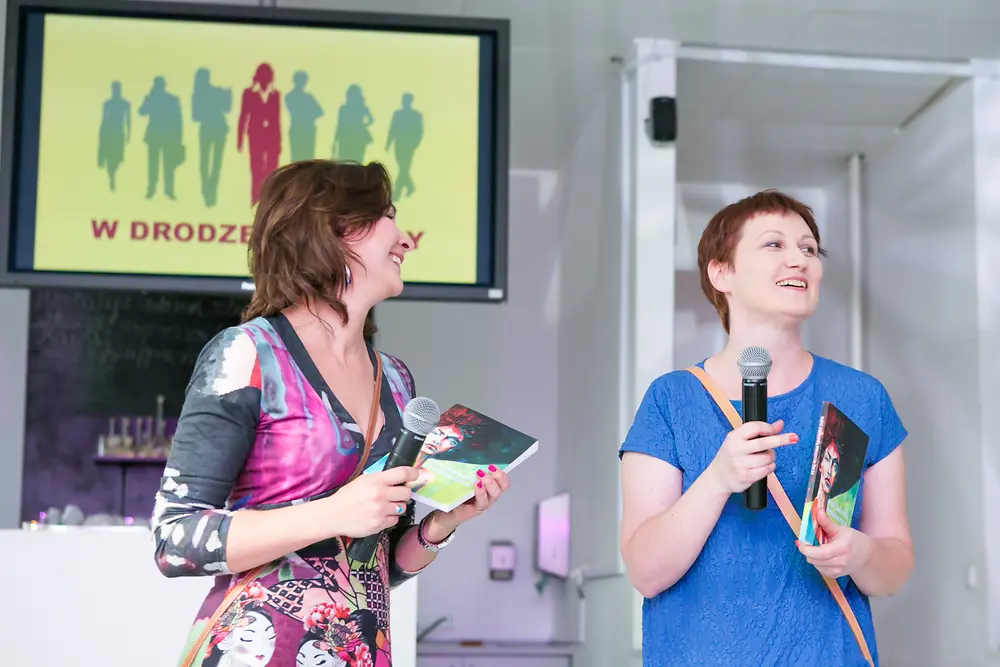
(399, 508)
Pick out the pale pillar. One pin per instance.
(649, 180)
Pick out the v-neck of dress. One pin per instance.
(300, 356)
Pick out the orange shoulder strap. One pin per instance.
(785, 505)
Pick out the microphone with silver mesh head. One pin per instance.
(420, 417)
(754, 363)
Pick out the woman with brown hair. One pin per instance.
(262, 489)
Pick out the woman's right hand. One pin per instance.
(747, 454)
(371, 503)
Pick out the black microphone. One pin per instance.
(419, 418)
(754, 363)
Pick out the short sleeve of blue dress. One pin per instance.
(750, 598)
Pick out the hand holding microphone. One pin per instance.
(373, 503)
(419, 418)
(747, 455)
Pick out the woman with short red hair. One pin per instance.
(725, 585)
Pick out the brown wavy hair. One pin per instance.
(297, 244)
(718, 241)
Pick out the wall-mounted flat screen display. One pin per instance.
(137, 135)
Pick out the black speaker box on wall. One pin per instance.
(663, 119)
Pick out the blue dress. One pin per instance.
(751, 598)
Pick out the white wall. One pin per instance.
(987, 129)
(502, 360)
(547, 359)
(119, 610)
(829, 330)
(14, 352)
(921, 339)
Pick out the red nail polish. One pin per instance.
(493, 468)
(479, 484)
(481, 473)
(793, 438)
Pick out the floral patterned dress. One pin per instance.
(261, 429)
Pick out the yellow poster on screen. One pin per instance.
(155, 136)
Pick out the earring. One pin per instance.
(347, 273)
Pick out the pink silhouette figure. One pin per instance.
(260, 121)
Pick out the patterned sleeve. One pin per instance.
(405, 374)
(398, 575)
(215, 432)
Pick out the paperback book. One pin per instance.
(463, 442)
(835, 477)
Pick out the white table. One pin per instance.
(92, 597)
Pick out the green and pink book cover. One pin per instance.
(463, 442)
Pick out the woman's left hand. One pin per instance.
(845, 552)
(492, 482)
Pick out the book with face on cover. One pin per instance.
(463, 442)
(835, 478)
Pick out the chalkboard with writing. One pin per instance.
(105, 353)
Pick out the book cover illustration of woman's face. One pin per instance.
(829, 467)
(441, 439)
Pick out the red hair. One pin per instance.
(718, 241)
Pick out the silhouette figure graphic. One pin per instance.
(163, 136)
(303, 111)
(406, 130)
(351, 139)
(260, 123)
(209, 107)
(115, 132)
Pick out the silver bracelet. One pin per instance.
(428, 546)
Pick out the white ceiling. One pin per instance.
(912, 28)
(780, 126)
(940, 29)
(786, 126)
(777, 125)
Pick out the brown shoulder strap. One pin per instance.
(226, 603)
(786, 507)
(372, 418)
(250, 575)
